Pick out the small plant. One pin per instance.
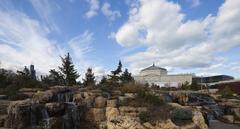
(226, 92)
(181, 114)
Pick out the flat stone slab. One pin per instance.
(215, 124)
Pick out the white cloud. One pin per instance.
(93, 10)
(46, 10)
(24, 41)
(174, 41)
(111, 14)
(194, 3)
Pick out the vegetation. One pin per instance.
(114, 77)
(126, 77)
(68, 71)
(227, 92)
(181, 114)
(89, 80)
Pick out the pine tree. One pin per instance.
(103, 82)
(126, 77)
(55, 78)
(89, 78)
(67, 69)
(115, 75)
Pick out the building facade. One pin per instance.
(160, 77)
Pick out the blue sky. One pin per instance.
(185, 36)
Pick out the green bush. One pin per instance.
(181, 114)
(226, 92)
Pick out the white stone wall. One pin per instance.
(159, 72)
(167, 80)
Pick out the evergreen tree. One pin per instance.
(55, 78)
(103, 82)
(126, 77)
(67, 69)
(89, 78)
(115, 75)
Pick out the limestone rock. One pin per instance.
(112, 103)
(96, 115)
(198, 119)
(100, 102)
(124, 122)
(228, 118)
(131, 111)
(43, 96)
(111, 112)
(84, 99)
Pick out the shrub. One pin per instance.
(226, 92)
(181, 114)
(131, 88)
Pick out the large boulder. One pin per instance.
(96, 115)
(124, 122)
(112, 103)
(199, 120)
(84, 99)
(22, 114)
(167, 124)
(131, 111)
(111, 112)
(43, 96)
(100, 102)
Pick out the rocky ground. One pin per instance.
(81, 108)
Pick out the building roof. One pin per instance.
(153, 67)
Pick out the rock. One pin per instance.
(100, 102)
(55, 109)
(168, 124)
(228, 118)
(111, 112)
(131, 111)
(84, 99)
(112, 103)
(18, 114)
(199, 120)
(43, 96)
(124, 122)
(236, 112)
(2, 120)
(96, 115)
(3, 106)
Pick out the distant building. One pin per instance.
(160, 77)
(32, 72)
(212, 79)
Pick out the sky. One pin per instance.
(184, 36)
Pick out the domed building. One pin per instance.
(159, 76)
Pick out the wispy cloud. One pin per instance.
(24, 41)
(111, 14)
(194, 3)
(46, 10)
(93, 10)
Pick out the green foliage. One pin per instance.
(55, 78)
(148, 98)
(226, 92)
(126, 77)
(181, 114)
(114, 77)
(69, 72)
(130, 87)
(89, 78)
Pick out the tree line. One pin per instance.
(66, 75)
